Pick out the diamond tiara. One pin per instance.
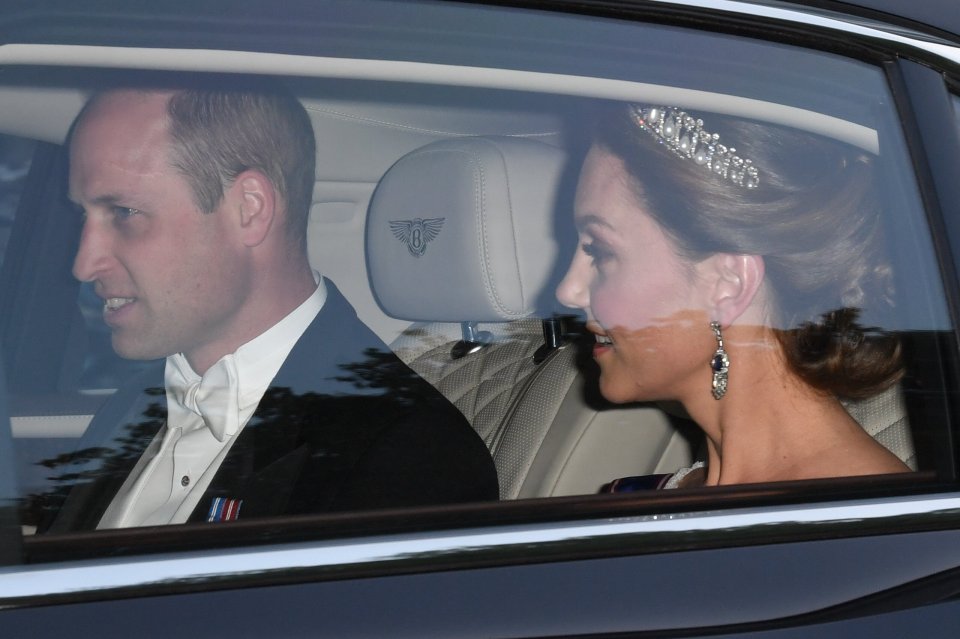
(684, 135)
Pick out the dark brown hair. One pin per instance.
(815, 220)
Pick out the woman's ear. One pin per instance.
(254, 199)
(735, 281)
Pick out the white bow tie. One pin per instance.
(214, 397)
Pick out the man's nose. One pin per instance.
(573, 290)
(93, 254)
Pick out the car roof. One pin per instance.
(931, 16)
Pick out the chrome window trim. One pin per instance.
(22, 585)
(833, 20)
(811, 17)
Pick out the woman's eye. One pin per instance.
(595, 252)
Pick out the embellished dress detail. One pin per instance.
(665, 481)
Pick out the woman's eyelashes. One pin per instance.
(596, 251)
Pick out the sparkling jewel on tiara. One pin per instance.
(684, 135)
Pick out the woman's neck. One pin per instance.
(771, 426)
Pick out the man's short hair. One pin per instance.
(221, 127)
(218, 133)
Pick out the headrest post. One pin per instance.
(473, 340)
(552, 338)
(552, 333)
(469, 331)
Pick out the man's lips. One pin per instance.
(112, 304)
(116, 309)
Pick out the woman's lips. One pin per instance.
(602, 345)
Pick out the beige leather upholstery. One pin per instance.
(884, 417)
(546, 438)
(358, 139)
(461, 230)
(489, 263)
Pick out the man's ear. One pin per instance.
(735, 281)
(254, 200)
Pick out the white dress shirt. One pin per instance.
(204, 417)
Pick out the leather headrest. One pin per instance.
(462, 230)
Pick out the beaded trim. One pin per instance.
(684, 135)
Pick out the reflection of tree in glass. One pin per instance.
(375, 390)
(15, 157)
(382, 370)
(79, 467)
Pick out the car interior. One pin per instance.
(450, 139)
(492, 169)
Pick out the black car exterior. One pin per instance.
(854, 557)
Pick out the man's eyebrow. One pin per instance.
(109, 199)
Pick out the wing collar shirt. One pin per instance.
(204, 417)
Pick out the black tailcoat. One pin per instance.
(345, 425)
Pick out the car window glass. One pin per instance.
(956, 109)
(15, 155)
(454, 301)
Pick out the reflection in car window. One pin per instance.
(410, 365)
(956, 110)
(15, 156)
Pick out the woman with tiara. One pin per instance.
(725, 264)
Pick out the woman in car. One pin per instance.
(726, 264)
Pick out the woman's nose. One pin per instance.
(573, 290)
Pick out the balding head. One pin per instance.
(217, 133)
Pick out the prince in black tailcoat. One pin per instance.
(345, 425)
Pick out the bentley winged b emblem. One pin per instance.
(417, 233)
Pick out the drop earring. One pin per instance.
(719, 364)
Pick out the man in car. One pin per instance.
(273, 398)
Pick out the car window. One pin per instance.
(14, 166)
(956, 109)
(520, 255)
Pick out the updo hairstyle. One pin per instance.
(814, 218)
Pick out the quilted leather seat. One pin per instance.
(475, 283)
(480, 277)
